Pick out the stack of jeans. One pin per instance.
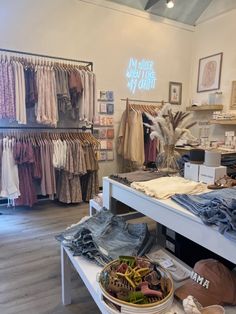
(217, 207)
(104, 237)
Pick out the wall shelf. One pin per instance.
(205, 108)
(223, 121)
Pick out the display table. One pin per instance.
(88, 272)
(165, 212)
(171, 215)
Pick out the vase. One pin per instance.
(167, 161)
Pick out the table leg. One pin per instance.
(65, 277)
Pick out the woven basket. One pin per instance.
(111, 303)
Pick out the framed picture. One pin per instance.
(209, 73)
(175, 93)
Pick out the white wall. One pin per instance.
(214, 36)
(106, 36)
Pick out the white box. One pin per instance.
(210, 174)
(191, 171)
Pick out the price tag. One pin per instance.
(166, 263)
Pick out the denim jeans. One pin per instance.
(104, 237)
(217, 207)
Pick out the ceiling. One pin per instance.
(185, 11)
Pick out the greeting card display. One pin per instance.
(102, 156)
(110, 108)
(103, 144)
(110, 133)
(96, 133)
(102, 133)
(103, 107)
(110, 155)
(109, 120)
(109, 145)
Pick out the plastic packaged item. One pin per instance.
(178, 271)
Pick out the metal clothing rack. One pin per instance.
(88, 63)
(83, 128)
(145, 101)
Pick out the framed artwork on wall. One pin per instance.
(175, 93)
(209, 73)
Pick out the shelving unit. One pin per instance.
(223, 121)
(205, 108)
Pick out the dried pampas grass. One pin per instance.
(169, 127)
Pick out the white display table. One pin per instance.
(88, 272)
(165, 212)
(171, 215)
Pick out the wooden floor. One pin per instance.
(30, 261)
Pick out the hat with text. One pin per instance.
(210, 283)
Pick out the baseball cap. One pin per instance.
(210, 283)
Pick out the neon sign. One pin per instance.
(140, 75)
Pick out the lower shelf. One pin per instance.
(89, 272)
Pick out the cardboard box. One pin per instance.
(210, 174)
(191, 171)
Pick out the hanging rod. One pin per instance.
(89, 63)
(147, 101)
(45, 128)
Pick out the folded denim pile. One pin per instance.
(104, 237)
(217, 207)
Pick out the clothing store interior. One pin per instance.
(117, 157)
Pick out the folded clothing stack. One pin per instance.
(139, 175)
(163, 188)
(104, 237)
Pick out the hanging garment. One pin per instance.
(7, 91)
(76, 89)
(136, 138)
(46, 110)
(69, 186)
(31, 92)
(48, 181)
(9, 176)
(150, 145)
(19, 93)
(62, 90)
(24, 157)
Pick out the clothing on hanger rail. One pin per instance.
(41, 88)
(134, 143)
(60, 165)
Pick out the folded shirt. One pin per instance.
(163, 188)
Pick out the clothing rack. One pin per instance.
(141, 106)
(88, 63)
(145, 101)
(83, 128)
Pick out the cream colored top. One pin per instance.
(165, 187)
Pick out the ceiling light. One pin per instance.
(170, 4)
